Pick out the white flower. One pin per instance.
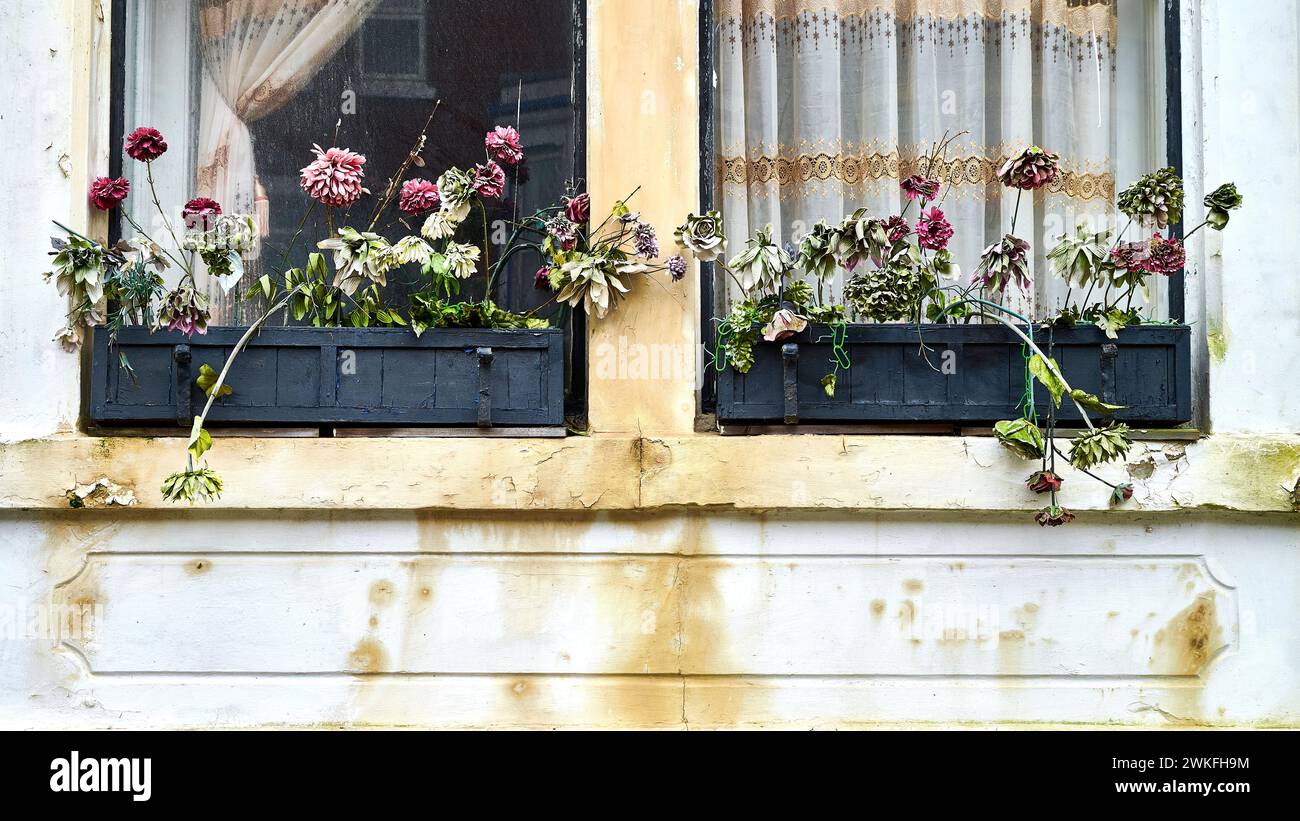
(410, 249)
(457, 190)
(439, 225)
(462, 259)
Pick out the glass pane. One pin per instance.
(243, 89)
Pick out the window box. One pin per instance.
(334, 376)
(975, 375)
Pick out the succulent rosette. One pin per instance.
(1156, 197)
(1030, 170)
(1220, 202)
(702, 236)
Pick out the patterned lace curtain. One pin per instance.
(824, 105)
(257, 55)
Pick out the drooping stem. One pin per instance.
(153, 191)
(139, 230)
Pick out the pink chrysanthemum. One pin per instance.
(107, 194)
(489, 180)
(505, 145)
(334, 177)
(419, 196)
(579, 209)
(199, 212)
(933, 231)
(145, 144)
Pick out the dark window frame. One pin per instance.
(708, 165)
(576, 401)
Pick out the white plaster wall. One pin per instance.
(45, 166)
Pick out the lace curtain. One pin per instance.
(257, 55)
(824, 105)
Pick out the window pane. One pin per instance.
(825, 105)
(243, 88)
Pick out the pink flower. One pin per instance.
(489, 181)
(199, 212)
(419, 196)
(145, 144)
(1155, 256)
(579, 209)
(504, 144)
(1030, 170)
(107, 194)
(334, 177)
(896, 228)
(919, 187)
(933, 231)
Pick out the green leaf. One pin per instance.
(268, 287)
(1048, 375)
(1022, 437)
(200, 440)
(1092, 403)
(828, 385)
(207, 380)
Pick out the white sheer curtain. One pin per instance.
(824, 105)
(257, 54)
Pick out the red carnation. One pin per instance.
(107, 194)
(919, 187)
(1045, 481)
(489, 181)
(579, 209)
(504, 144)
(145, 144)
(933, 231)
(419, 196)
(199, 213)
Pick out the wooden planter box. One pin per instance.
(335, 376)
(1148, 370)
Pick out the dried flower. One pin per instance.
(462, 259)
(1082, 259)
(1021, 437)
(222, 244)
(578, 208)
(1220, 201)
(702, 236)
(1097, 447)
(1030, 170)
(69, 338)
(359, 259)
(1157, 196)
(919, 187)
(408, 250)
(762, 263)
(202, 484)
(645, 241)
(1002, 263)
(816, 253)
(107, 194)
(418, 196)
(594, 282)
(199, 213)
(542, 279)
(1044, 481)
(505, 145)
(456, 189)
(145, 144)
(1157, 255)
(184, 310)
(897, 229)
(888, 294)
(334, 177)
(563, 232)
(439, 226)
(785, 324)
(1054, 516)
(1121, 494)
(677, 268)
(933, 231)
(489, 180)
(79, 269)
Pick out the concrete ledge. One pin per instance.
(617, 472)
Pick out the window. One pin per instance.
(822, 106)
(242, 90)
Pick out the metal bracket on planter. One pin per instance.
(182, 357)
(790, 381)
(1109, 354)
(484, 388)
